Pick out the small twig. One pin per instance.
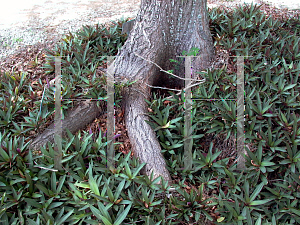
(170, 89)
(186, 79)
(184, 89)
(54, 170)
(161, 69)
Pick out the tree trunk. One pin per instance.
(162, 30)
(75, 120)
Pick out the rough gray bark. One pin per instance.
(163, 30)
(75, 120)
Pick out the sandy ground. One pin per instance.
(282, 4)
(24, 23)
(54, 12)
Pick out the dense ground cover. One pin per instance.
(85, 192)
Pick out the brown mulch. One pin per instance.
(30, 59)
(280, 14)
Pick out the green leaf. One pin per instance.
(31, 222)
(43, 189)
(295, 211)
(289, 86)
(176, 146)
(4, 155)
(166, 116)
(65, 217)
(33, 203)
(19, 180)
(263, 169)
(82, 185)
(128, 171)
(256, 191)
(156, 180)
(267, 163)
(122, 216)
(97, 213)
(8, 205)
(155, 203)
(78, 193)
(66, 159)
(104, 210)
(220, 219)
(85, 80)
(167, 125)
(60, 184)
(214, 129)
(175, 120)
(258, 221)
(197, 216)
(119, 189)
(55, 205)
(160, 122)
(105, 221)
(93, 185)
(110, 194)
(260, 202)
(215, 156)
(138, 169)
(53, 181)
